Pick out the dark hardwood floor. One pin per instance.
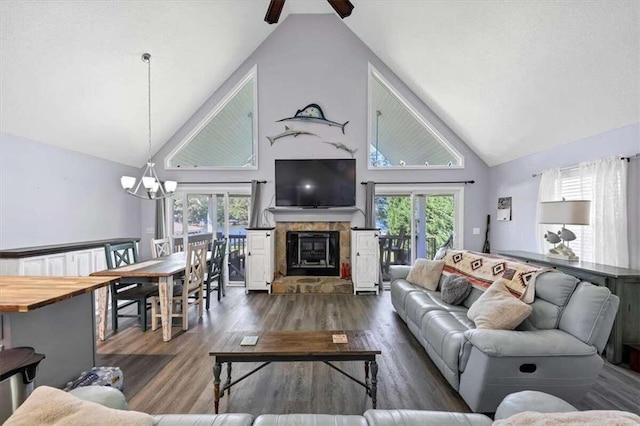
(406, 379)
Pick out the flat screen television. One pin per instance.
(316, 183)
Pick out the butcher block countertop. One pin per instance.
(24, 293)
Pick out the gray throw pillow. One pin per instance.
(455, 289)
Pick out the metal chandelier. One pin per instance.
(149, 186)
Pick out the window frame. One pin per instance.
(425, 190)
(252, 74)
(372, 73)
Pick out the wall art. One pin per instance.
(504, 208)
(312, 113)
(289, 132)
(342, 146)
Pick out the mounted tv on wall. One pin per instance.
(316, 183)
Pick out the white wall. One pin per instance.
(513, 179)
(50, 195)
(316, 58)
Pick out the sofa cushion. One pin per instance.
(589, 309)
(555, 287)
(309, 419)
(541, 402)
(473, 296)
(420, 418)
(419, 303)
(51, 406)
(106, 396)
(544, 316)
(400, 289)
(455, 289)
(444, 334)
(497, 309)
(227, 419)
(426, 273)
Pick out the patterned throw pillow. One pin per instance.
(426, 273)
(455, 289)
(497, 309)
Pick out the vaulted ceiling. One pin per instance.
(510, 78)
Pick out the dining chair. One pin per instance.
(120, 255)
(399, 248)
(215, 270)
(193, 286)
(161, 247)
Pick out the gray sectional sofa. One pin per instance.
(512, 405)
(556, 350)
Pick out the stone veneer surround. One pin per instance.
(281, 239)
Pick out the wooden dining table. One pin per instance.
(162, 270)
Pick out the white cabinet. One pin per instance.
(32, 266)
(80, 263)
(365, 260)
(260, 261)
(57, 265)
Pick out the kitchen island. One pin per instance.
(55, 316)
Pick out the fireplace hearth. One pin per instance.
(314, 253)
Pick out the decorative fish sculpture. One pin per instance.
(566, 235)
(342, 146)
(552, 237)
(312, 113)
(288, 132)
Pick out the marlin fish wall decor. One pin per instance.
(312, 113)
(288, 132)
(340, 145)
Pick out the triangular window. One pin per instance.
(226, 138)
(399, 136)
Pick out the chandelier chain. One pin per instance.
(149, 101)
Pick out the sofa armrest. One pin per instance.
(540, 402)
(104, 395)
(543, 343)
(399, 271)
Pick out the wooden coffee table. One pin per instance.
(295, 346)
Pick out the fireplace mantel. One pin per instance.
(299, 214)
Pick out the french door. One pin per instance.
(415, 222)
(213, 212)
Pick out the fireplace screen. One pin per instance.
(313, 253)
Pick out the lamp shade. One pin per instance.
(127, 182)
(170, 185)
(566, 212)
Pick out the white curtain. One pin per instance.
(607, 179)
(550, 190)
(604, 182)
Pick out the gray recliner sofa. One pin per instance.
(512, 405)
(556, 350)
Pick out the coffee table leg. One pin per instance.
(217, 368)
(227, 385)
(374, 382)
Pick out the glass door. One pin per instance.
(232, 218)
(415, 223)
(434, 222)
(213, 213)
(394, 218)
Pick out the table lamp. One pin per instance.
(565, 212)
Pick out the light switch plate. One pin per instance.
(150, 231)
(476, 231)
